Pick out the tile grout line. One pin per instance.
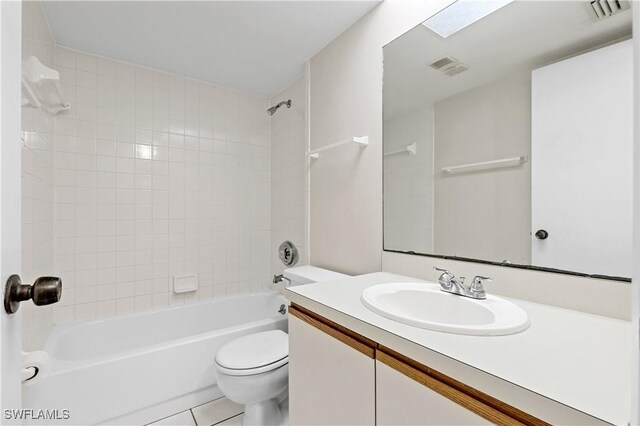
(164, 418)
(195, 422)
(224, 420)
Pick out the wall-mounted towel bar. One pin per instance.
(409, 149)
(362, 141)
(485, 165)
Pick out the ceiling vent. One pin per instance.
(601, 9)
(449, 66)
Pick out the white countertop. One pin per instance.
(577, 359)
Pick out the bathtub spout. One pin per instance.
(278, 278)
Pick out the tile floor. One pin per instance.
(220, 412)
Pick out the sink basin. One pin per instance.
(424, 305)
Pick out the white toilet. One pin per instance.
(253, 370)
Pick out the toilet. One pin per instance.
(253, 370)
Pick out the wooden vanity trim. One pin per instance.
(343, 334)
(474, 400)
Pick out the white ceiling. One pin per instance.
(524, 35)
(258, 46)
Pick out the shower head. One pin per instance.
(273, 109)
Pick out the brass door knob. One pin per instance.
(44, 291)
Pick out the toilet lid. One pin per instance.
(253, 351)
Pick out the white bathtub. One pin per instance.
(137, 368)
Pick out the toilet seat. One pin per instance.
(254, 353)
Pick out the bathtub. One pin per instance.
(141, 367)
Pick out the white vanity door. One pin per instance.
(330, 383)
(401, 400)
(581, 162)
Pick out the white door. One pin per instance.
(582, 164)
(10, 333)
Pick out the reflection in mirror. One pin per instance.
(510, 140)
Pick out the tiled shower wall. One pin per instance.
(289, 173)
(152, 175)
(156, 175)
(37, 178)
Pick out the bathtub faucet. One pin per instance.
(279, 278)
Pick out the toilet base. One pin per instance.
(265, 413)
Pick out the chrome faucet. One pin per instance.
(280, 278)
(455, 285)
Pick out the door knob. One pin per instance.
(44, 291)
(541, 234)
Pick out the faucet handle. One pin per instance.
(445, 278)
(476, 286)
(444, 271)
(479, 278)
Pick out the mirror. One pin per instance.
(509, 141)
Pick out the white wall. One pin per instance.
(346, 100)
(37, 179)
(289, 173)
(484, 215)
(408, 182)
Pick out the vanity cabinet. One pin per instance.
(410, 393)
(339, 377)
(331, 374)
(401, 400)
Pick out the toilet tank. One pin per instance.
(310, 274)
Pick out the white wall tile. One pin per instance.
(138, 190)
(289, 176)
(147, 176)
(38, 175)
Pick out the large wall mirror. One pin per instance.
(509, 139)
